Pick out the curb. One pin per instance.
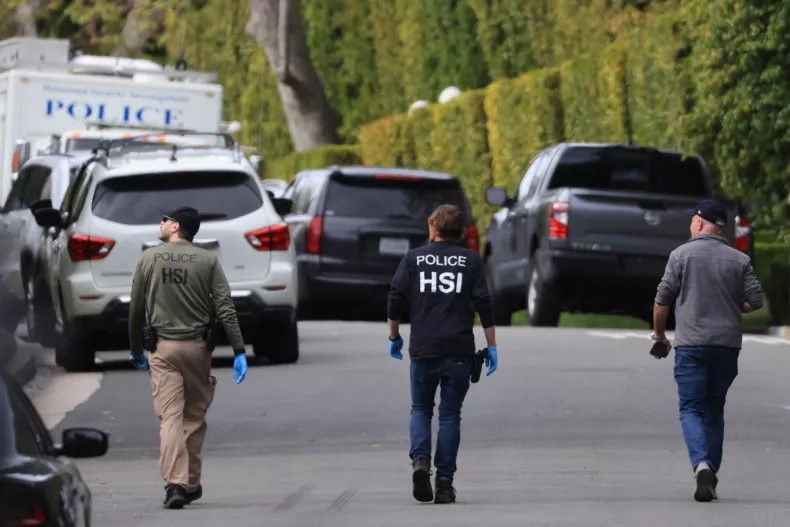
(779, 331)
(18, 357)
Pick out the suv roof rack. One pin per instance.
(157, 141)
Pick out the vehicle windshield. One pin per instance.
(365, 197)
(144, 199)
(626, 169)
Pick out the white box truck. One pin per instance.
(44, 92)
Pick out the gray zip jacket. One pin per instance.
(708, 281)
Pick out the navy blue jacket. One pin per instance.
(442, 285)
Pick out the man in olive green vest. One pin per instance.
(177, 287)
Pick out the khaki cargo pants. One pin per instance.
(183, 391)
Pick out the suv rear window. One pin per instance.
(367, 197)
(630, 170)
(143, 199)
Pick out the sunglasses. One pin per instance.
(165, 219)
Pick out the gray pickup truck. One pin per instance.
(590, 230)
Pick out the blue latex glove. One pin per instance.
(138, 361)
(239, 367)
(491, 361)
(395, 348)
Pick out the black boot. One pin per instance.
(421, 479)
(445, 493)
(195, 494)
(175, 497)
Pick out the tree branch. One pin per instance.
(283, 64)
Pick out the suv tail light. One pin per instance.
(274, 238)
(24, 512)
(743, 230)
(312, 240)
(558, 220)
(472, 239)
(83, 247)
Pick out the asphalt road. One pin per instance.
(577, 428)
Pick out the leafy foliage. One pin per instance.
(741, 117)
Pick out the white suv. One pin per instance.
(111, 213)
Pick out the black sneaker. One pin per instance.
(195, 494)
(175, 497)
(421, 479)
(445, 493)
(706, 484)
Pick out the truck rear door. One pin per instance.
(629, 201)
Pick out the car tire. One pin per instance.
(39, 315)
(503, 314)
(74, 350)
(543, 300)
(278, 340)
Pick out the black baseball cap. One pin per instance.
(188, 217)
(710, 210)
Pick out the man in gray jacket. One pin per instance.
(711, 284)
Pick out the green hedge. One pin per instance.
(659, 87)
(523, 116)
(741, 117)
(341, 42)
(594, 97)
(773, 270)
(286, 167)
(460, 142)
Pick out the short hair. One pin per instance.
(449, 222)
(185, 233)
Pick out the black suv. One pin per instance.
(352, 225)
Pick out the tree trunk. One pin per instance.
(276, 26)
(135, 33)
(25, 18)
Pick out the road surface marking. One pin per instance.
(622, 335)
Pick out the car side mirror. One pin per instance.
(84, 442)
(41, 204)
(498, 197)
(283, 206)
(48, 217)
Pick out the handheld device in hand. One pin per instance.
(477, 367)
(659, 350)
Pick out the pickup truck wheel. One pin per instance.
(74, 350)
(39, 317)
(278, 340)
(543, 302)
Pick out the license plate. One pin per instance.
(395, 246)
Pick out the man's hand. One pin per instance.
(491, 361)
(239, 367)
(138, 361)
(662, 338)
(396, 345)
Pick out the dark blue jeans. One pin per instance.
(704, 375)
(452, 374)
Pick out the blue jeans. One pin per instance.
(703, 376)
(452, 374)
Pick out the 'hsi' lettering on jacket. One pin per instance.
(447, 282)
